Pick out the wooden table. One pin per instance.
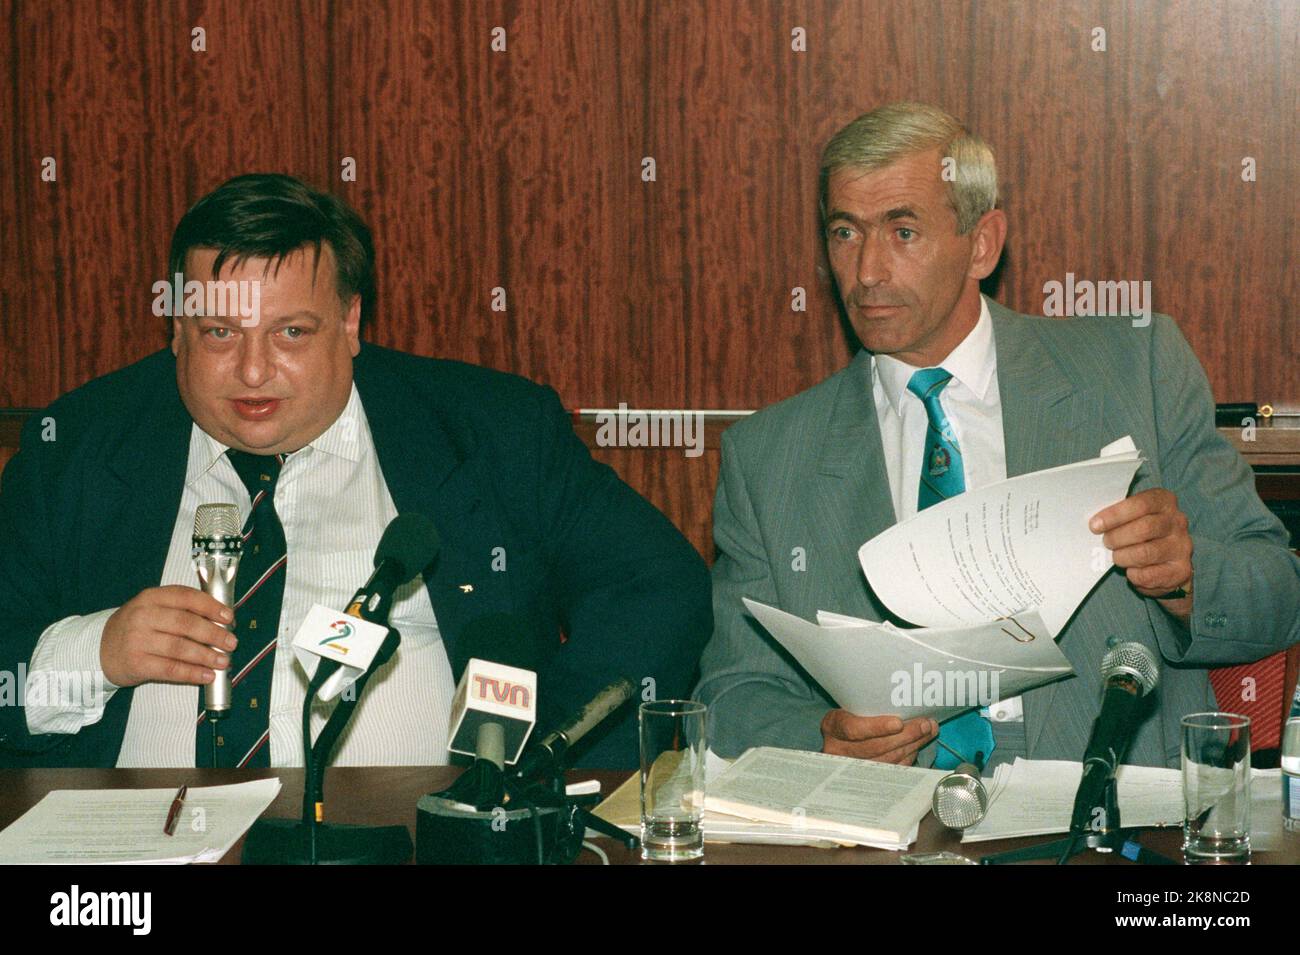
(387, 796)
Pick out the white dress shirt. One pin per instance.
(973, 405)
(333, 503)
(974, 408)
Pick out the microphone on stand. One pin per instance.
(409, 545)
(1129, 672)
(495, 707)
(541, 822)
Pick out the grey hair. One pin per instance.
(889, 133)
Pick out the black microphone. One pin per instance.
(503, 639)
(409, 544)
(1129, 672)
(548, 754)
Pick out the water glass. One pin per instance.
(673, 743)
(1216, 787)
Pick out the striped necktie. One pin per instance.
(942, 477)
(243, 737)
(1256, 690)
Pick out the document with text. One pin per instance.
(1021, 544)
(91, 826)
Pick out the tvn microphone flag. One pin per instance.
(493, 693)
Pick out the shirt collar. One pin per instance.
(205, 452)
(972, 363)
(344, 439)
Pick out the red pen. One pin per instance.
(169, 827)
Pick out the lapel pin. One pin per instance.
(467, 588)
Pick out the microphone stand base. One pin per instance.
(1122, 842)
(285, 842)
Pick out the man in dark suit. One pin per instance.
(320, 440)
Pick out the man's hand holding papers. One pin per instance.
(1149, 537)
(886, 739)
(991, 576)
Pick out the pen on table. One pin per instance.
(169, 827)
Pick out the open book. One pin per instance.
(784, 797)
(836, 797)
(991, 576)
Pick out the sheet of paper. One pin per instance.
(874, 668)
(1004, 549)
(91, 826)
(874, 803)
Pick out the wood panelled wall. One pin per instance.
(523, 169)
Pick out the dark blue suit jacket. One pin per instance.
(86, 520)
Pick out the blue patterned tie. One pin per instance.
(942, 477)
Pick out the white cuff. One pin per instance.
(65, 688)
(1006, 711)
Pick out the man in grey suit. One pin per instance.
(1202, 573)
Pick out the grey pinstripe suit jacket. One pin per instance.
(809, 473)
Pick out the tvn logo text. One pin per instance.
(491, 689)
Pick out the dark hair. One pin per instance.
(269, 215)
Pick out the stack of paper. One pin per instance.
(1034, 797)
(873, 668)
(90, 826)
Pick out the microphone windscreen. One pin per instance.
(411, 540)
(216, 520)
(960, 799)
(1133, 660)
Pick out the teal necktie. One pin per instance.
(942, 477)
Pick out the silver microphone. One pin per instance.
(960, 799)
(1132, 663)
(215, 550)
